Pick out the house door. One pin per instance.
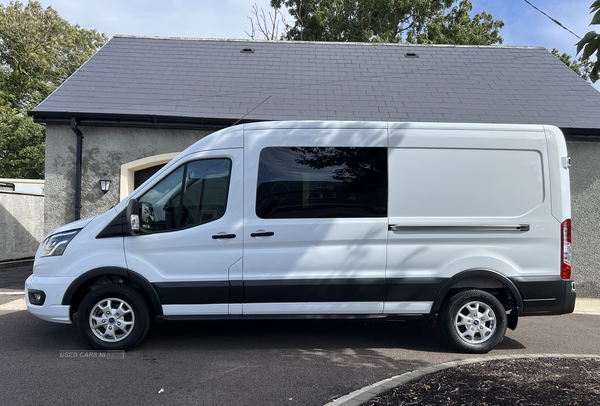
(143, 175)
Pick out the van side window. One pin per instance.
(193, 194)
(322, 182)
(493, 182)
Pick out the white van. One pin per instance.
(465, 224)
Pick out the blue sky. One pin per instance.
(527, 26)
(229, 18)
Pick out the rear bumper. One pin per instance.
(545, 295)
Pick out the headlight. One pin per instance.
(55, 244)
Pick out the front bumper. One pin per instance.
(54, 289)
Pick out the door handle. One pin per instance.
(219, 236)
(262, 234)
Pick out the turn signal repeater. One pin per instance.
(565, 270)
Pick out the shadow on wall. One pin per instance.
(21, 225)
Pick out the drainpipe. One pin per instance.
(77, 168)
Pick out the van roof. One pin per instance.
(316, 124)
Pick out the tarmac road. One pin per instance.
(242, 363)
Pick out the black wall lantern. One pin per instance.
(105, 182)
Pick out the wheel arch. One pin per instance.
(81, 286)
(477, 276)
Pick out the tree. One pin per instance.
(590, 43)
(38, 51)
(455, 26)
(21, 145)
(579, 66)
(266, 28)
(388, 21)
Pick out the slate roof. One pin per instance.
(212, 81)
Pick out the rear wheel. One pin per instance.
(473, 321)
(114, 317)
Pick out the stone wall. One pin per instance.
(21, 225)
(585, 200)
(105, 149)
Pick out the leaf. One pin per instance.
(587, 38)
(596, 18)
(595, 6)
(594, 74)
(590, 48)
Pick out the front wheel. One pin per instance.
(473, 321)
(114, 317)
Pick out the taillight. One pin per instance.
(565, 239)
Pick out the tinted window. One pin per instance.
(193, 194)
(312, 182)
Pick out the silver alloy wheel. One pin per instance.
(111, 319)
(475, 322)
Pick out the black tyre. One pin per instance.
(473, 321)
(114, 317)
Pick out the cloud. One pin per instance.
(176, 18)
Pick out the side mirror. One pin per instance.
(133, 217)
